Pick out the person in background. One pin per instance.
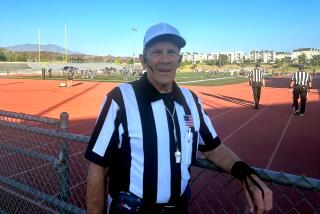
(70, 75)
(301, 83)
(256, 81)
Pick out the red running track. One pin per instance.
(270, 137)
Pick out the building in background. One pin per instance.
(309, 52)
(262, 56)
(233, 56)
(282, 55)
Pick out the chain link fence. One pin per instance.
(214, 191)
(39, 171)
(43, 170)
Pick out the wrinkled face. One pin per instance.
(161, 61)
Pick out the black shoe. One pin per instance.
(256, 107)
(297, 112)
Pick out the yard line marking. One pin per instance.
(279, 142)
(209, 79)
(235, 131)
(223, 113)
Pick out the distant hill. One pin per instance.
(34, 48)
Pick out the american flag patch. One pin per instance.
(189, 120)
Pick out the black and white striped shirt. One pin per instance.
(134, 136)
(301, 78)
(256, 75)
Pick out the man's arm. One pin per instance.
(291, 84)
(226, 159)
(96, 189)
(263, 82)
(250, 78)
(310, 85)
(223, 157)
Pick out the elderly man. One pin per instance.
(148, 134)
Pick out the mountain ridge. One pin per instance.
(34, 47)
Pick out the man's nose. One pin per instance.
(165, 58)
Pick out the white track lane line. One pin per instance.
(278, 143)
(244, 124)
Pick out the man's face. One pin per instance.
(162, 61)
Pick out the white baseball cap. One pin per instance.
(163, 31)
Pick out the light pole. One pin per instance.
(134, 57)
(65, 44)
(39, 50)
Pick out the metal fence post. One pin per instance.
(43, 73)
(63, 168)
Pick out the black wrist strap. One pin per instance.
(241, 170)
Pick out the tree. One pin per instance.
(260, 60)
(22, 57)
(194, 66)
(130, 61)
(247, 61)
(278, 63)
(224, 59)
(315, 60)
(186, 63)
(287, 60)
(117, 61)
(210, 62)
(302, 58)
(3, 56)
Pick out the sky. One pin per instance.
(104, 27)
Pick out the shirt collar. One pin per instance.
(152, 94)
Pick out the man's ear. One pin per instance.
(142, 60)
(180, 60)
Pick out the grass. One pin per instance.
(213, 82)
(12, 66)
(205, 79)
(184, 74)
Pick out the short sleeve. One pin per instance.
(209, 139)
(103, 144)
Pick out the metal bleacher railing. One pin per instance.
(43, 170)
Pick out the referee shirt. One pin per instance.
(256, 75)
(301, 78)
(134, 136)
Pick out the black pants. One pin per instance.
(127, 203)
(256, 89)
(300, 92)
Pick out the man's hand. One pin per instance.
(290, 89)
(261, 200)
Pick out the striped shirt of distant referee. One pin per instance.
(138, 133)
(301, 78)
(256, 75)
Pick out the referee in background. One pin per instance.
(256, 81)
(301, 82)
